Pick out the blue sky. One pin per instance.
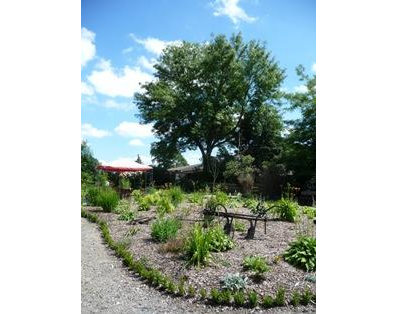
(121, 39)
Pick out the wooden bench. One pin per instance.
(229, 228)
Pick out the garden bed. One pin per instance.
(271, 245)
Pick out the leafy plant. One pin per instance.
(306, 297)
(225, 297)
(252, 298)
(203, 293)
(310, 278)
(239, 226)
(164, 229)
(286, 209)
(257, 264)
(250, 203)
(302, 253)
(127, 216)
(295, 299)
(144, 204)
(279, 299)
(92, 194)
(239, 298)
(197, 247)
(181, 290)
(108, 199)
(165, 206)
(219, 241)
(215, 295)
(234, 282)
(309, 211)
(221, 198)
(123, 206)
(176, 195)
(267, 302)
(137, 195)
(191, 291)
(196, 198)
(131, 232)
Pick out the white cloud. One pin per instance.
(154, 45)
(301, 89)
(145, 63)
(136, 142)
(231, 9)
(134, 129)
(86, 89)
(112, 104)
(89, 131)
(126, 161)
(127, 50)
(123, 83)
(313, 67)
(88, 49)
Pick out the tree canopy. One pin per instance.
(204, 91)
(88, 164)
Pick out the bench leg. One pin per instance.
(251, 230)
(228, 227)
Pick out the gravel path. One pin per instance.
(107, 287)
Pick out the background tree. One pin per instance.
(202, 92)
(242, 168)
(139, 160)
(88, 164)
(166, 155)
(301, 141)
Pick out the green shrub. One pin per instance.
(257, 264)
(203, 293)
(295, 299)
(215, 295)
(252, 298)
(286, 209)
(221, 198)
(226, 297)
(234, 282)
(164, 229)
(107, 199)
(92, 194)
(137, 195)
(165, 206)
(302, 253)
(181, 290)
(250, 203)
(144, 204)
(123, 206)
(175, 195)
(306, 297)
(191, 291)
(127, 216)
(239, 298)
(268, 302)
(239, 226)
(151, 199)
(197, 246)
(309, 211)
(196, 198)
(279, 299)
(219, 241)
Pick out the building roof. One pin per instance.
(124, 166)
(187, 169)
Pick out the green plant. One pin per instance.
(203, 293)
(286, 209)
(137, 195)
(165, 206)
(215, 295)
(302, 253)
(310, 278)
(309, 211)
(239, 298)
(92, 194)
(257, 264)
(268, 302)
(279, 299)
(197, 248)
(252, 298)
(181, 290)
(175, 195)
(225, 297)
(219, 241)
(164, 229)
(174, 245)
(196, 198)
(239, 226)
(127, 216)
(234, 282)
(132, 231)
(306, 297)
(221, 198)
(295, 300)
(107, 198)
(191, 291)
(144, 204)
(123, 206)
(250, 203)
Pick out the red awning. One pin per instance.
(124, 166)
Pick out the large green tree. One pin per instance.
(202, 91)
(166, 155)
(88, 164)
(301, 148)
